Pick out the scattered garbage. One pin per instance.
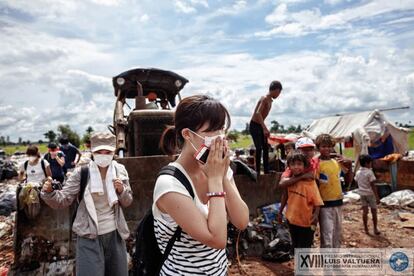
(270, 212)
(7, 199)
(280, 248)
(384, 189)
(241, 167)
(410, 156)
(351, 196)
(407, 218)
(60, 268)
(8, 169)
(264, 237)
(401, 198)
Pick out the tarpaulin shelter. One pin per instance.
(365, 128)
(275, 139)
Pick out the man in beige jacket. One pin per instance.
(99, 223)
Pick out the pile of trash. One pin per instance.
(8, 169)
(6, 240)
(403, 198)
(409, 156)
(7, 198)
(351, 196)
(264, 237)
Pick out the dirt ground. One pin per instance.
(389, 223)
(392, 235)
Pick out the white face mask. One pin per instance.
(208, 140)
(32, 158)
(103, 160)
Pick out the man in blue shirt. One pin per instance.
(72, 154)
(56, 159)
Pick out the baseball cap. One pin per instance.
(304, 142)
(103, 141)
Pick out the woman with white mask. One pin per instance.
(99, 223)
(198, 135)
(35, 169)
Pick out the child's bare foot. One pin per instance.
(377, 232)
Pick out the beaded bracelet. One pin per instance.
(216, 194)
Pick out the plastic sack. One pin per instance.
(29, 201)
(400, 198)
(270, 212)
(351, 197)
(279, 249)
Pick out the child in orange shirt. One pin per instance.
(303, 203)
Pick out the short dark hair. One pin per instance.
(297, 155)
(365, 159)
(290, 144)
(64, 140)
(52, 145)
(33, 150)
(275, 85)
(324, 139)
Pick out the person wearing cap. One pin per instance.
(56, 159)
(304, 202)
(307, 147)
(258, 129)
(99, 223)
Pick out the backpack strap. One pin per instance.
(25, 164)
(175, 172)
(83, 182)
(42, 163)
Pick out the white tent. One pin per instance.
(363, 127)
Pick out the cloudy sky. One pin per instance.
(57, 57)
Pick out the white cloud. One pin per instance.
(184, 7)
(307, 21)
(47, 8)
(278, 15)
(203, 3)
(333, 2)
(144, 18)
(106, 2)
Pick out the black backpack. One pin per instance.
(147, 258)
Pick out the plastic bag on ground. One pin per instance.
(351, 196)
(400, 198)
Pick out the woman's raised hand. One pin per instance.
(217, 162)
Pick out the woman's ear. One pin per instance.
(185, 133)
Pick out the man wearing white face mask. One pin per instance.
(100, 223)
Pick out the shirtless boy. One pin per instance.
(258, 129)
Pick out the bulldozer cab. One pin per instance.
(155, 92)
